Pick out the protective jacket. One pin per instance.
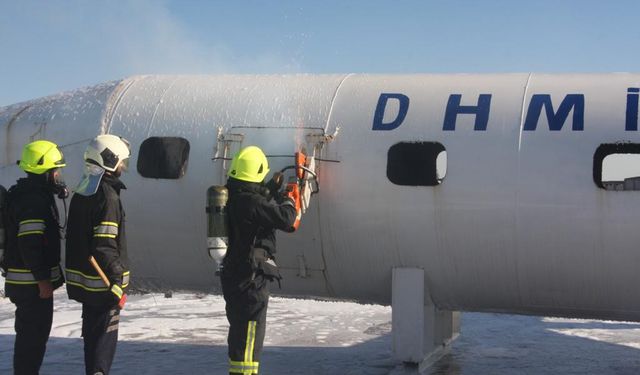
(96, 227)
(253, 219)
(33, 239)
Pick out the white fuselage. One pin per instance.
(518, 223)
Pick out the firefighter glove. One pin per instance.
(117, 292)
(274, 184)
(277, 179)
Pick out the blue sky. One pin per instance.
(54, 45)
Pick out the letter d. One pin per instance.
(382, 105)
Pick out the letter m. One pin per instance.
(557, 119)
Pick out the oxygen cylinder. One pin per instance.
(217, 226)
(3, 202)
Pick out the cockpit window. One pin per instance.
(417, 163)
(616, 166)
(163, 157)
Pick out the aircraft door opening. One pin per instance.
(299, 255)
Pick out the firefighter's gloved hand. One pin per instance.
(272, 187)
(276, 182)
(116, 292)
(278, 177)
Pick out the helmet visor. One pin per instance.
(91, 180)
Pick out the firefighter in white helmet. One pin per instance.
(96, 228)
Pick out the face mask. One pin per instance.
(58, 185)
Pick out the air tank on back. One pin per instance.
(217, 227)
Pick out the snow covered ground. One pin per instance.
(186, 334)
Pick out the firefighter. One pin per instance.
(249, 264)
(96, 228)
(32, 258)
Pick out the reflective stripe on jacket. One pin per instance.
(19, 276)
(91, 283)
(96, 227)
(32, 238)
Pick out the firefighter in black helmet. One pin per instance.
(249, 264)
(96, 228)
(33, 251)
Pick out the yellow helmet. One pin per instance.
(41, 156)
(250, 164)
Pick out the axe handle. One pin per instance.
(106, 281)
(96, 266)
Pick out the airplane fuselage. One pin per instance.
(495, 185)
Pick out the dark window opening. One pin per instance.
(616, 166)
(417, 163)
(163, 157)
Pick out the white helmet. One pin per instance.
(107, 151)
(104, 153)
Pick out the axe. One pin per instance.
(104, 278)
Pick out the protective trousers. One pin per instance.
(100, 332)
(247, 315)
(33, 324)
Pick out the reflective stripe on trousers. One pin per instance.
(19, 276)
(244, 368)
(247, 367)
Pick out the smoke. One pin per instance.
(52, 46)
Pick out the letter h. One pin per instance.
(454, 109)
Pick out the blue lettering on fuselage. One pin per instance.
(382, 105)
(454, 109)
(571, 103)
(631, 121)
(557, 119)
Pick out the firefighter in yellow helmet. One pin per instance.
(32, 259)
(254, 211)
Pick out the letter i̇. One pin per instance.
(632, 109)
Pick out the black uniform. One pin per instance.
(96, 228)
(248, 266)
(32, 255)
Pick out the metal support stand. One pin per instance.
(422, 333)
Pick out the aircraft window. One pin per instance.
(617, 166)
(163, 157)
(417, 163)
